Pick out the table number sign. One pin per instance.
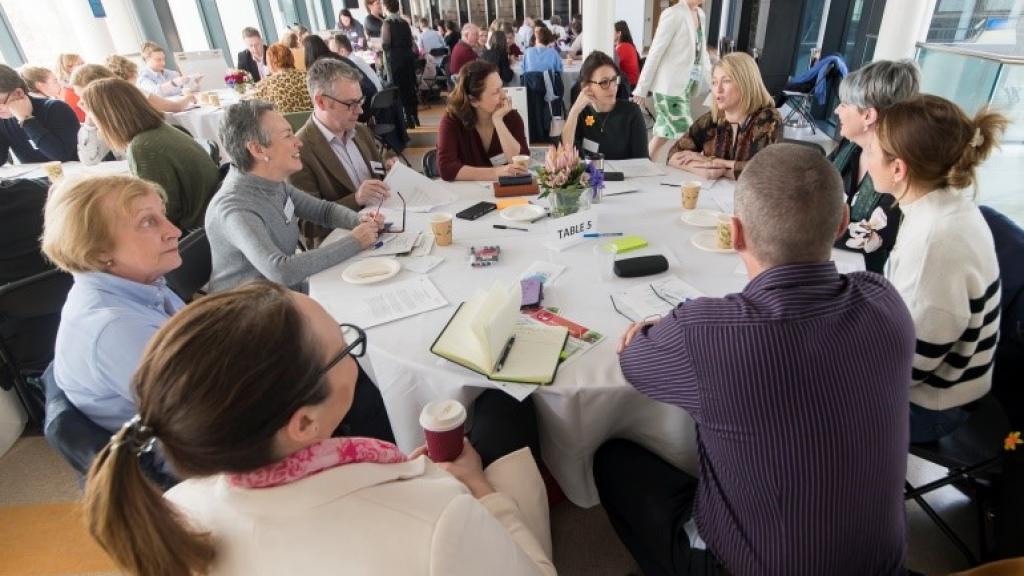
(568, 231)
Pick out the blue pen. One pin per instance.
(600, 234)
(378, 244)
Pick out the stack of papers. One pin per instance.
(421, 193)
(653, 300)
(634, 168)
(389, 302)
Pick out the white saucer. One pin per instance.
(371, 270)
(701, 218)
(522, 212)
(708, 241)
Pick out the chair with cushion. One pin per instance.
(297, 119)
(29, 318)
(384, 100)
(196, 265)
(73, 434)
(974, 455)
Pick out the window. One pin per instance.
(992, 23)
(42, 30)
(189, 24)
(236, 15)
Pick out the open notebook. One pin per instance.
(484, 336)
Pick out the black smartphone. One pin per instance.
(476, 210)
(614, 176)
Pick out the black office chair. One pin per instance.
(188, 279)
(973, 454)
(73, 434)
(806, 144)
(384, 100)
(210, 147)
(29, 318)
(430, 164)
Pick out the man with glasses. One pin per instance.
(600, 122)
(35, 129)
(340, 158)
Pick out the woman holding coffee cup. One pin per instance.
(600, 123)
(480, 132)
(742, 121)
(267, 489)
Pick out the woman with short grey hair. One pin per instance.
(253, 221)
(863, 96)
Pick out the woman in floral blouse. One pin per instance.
(742, 121)
(863, 96)
(285, 88)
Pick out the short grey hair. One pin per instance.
(469, 26)
(241, 125)
(790, 202)
(10, 80)
(322, 75)
(880, 84)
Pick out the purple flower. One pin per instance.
(596, 176)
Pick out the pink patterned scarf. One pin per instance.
(318, 457)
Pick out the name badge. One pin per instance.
(499, 160)
(289, 210)
(377, 168)
(695, 74)
(590, 146)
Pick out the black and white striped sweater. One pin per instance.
(944, 265)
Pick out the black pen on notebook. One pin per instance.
(504, 354)
(504, 227)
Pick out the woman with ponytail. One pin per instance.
(925, 153)
(241, 391)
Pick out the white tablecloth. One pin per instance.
(590, 400)
(204, 121)
(36, 170)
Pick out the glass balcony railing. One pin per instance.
(975, 76)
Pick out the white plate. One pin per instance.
(701, 218)
(708, 240)
(522, 212)
(371, 270)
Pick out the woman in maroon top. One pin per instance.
(480, 132)
(625, 50)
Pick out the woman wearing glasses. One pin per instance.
(268, 490)
(742, 121)
(600, 123)
(253, 221)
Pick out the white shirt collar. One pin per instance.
(330, 136)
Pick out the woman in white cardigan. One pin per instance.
(241, 392)
(924, 152)
(676, 65)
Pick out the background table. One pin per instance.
(570, 74)
(35, 170)
(204, 121)
(590, 400)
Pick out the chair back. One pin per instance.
(297, 119)
(73, 434)
(29, 319)
(805, 143)
(196, 265)
(384, 99)
(211, 148)
(430, 164)
(438, 52)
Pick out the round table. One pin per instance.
(204, 121)
(590, 401)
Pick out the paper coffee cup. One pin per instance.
(723, 232)
(691, 192)
(523, 161)
(213, 98)
(443, 423)
(441, 225)
(54, 171)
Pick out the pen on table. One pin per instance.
(504, 227)
(504, 354)
(601, 234)
(541, 217)
(671, 184)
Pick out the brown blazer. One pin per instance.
(322, 174)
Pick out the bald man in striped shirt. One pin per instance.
(798, 387)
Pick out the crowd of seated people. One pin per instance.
(202, 381)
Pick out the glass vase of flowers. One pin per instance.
(240, 80)
(567, 181)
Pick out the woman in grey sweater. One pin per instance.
(253, 221)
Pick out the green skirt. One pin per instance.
(672, 116)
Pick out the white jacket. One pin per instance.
(670, 59)
(367, 519)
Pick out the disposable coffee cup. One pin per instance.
(213, 99)
(723, 231)
(54, 171)
(441, 225)
(523, 161)
(443, 423)
(691, 192)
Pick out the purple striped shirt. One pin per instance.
(798, 386)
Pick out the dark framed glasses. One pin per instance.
(349, 105)
(390, 226)
(356, 338)
(606, 83)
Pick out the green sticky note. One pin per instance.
(625, 244)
